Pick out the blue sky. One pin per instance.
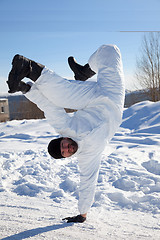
(49, 31)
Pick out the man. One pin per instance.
(99, 108)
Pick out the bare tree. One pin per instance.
(148, 65)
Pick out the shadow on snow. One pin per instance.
(36, 231)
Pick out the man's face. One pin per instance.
(68, 147)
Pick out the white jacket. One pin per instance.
(99, 104)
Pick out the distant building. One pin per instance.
(19, 107)
(132, 97)
(4, 110)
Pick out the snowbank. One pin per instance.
(37, 191)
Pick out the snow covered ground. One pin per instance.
(36, 192)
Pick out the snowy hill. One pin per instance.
(37, 191)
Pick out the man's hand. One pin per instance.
(75, 219)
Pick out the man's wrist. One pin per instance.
(84, 215)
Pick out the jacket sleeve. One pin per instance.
(56, 116)
(89, 170)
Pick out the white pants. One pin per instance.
(106, 62)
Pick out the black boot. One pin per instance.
(23, 87)
(82, 73)
(22, 67)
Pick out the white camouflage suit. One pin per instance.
(99, 105)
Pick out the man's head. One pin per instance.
(62, 147)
